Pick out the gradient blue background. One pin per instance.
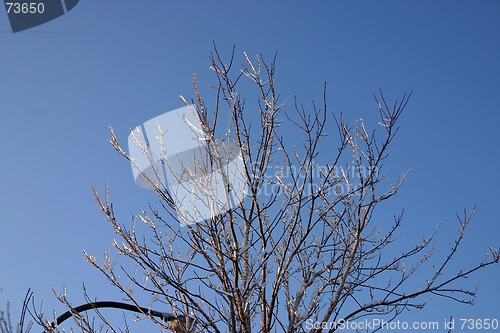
(122, 62)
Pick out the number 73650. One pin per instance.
(25, 7)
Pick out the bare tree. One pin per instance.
(304, 250)
(20, 326)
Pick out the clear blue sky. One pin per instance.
(122, 62)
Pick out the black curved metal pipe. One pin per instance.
(165, 316)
